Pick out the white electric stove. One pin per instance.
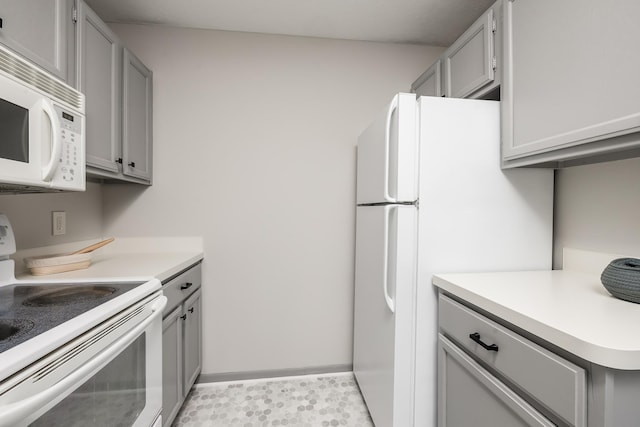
(78, 352)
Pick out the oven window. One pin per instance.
(114, 396)
(14, 132)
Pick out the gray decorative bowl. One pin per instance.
(622, 279)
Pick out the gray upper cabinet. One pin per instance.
(471, 66)
(430, 82)
(43, 32)
(137, 118)
(570, 92)
(118, 90)
(99, 78)
(470, 63)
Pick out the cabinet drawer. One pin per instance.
(468, 395)
(554, 382)
(181, 286)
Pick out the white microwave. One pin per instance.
(42, 130)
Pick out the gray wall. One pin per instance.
(30, 216)
(254, 149)
(598, 208)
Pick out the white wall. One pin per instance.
(30, 216)
(254, 149)
(597, 208)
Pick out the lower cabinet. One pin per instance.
(489, 375)
(470, 395)
(181, 340)
(171, 366)
(192, 340)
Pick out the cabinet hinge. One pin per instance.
(74, 15)
(494, 63)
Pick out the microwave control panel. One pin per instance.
(71, 162)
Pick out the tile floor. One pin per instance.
(304, 401)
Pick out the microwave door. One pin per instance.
(21, 118)
(14, 122)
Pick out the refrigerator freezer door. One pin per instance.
(383, 359)
(388, 155)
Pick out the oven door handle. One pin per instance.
(16, 413)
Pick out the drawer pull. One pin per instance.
(476, 337)
(186, 286)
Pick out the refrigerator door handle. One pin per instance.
(387, 148)
(391, 305)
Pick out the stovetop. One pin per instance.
(28, 310)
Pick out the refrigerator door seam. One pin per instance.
(414, 203)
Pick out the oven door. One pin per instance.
(110, 376)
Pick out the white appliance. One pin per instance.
(432, 198)
(78, 353)
(42, 138)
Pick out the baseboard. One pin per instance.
(274, 373)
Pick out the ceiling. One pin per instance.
(430, 22)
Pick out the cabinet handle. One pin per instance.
(0, 22)
(191, 310)
(186, 286)
(119, 160)
(132, 164)
(183, 317)
(489, 347)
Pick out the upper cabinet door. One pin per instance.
(430, 82)
(43, 32)
(469, 64)
(99, 74)
(137, 116)
(571, 87)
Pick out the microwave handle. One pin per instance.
(56, 145)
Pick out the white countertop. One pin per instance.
(125, 258)
(149, 260)
(568, 308)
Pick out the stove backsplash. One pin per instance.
(30, 216)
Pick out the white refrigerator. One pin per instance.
(432, 198)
